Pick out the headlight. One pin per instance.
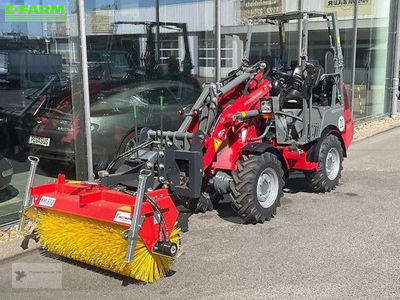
(266, 105)
(7, 173)
(93, 127)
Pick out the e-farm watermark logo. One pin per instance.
(36, 275)
(35, 13)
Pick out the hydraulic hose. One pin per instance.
(264, 134)
(126, 154)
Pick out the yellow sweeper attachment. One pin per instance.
(100, 244)
(133, 234)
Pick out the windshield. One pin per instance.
(173, 93)
(266, 45)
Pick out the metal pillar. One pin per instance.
(157, 36)
(217, 36)
(353, 65)
(300, 31)
(85, 114)
(393, 57)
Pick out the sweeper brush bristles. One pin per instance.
(100, 244)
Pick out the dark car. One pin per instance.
(6, 172)
(112, 121)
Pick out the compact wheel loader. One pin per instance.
(240, 139)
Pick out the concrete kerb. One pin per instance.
(370, 129)
(385, 129)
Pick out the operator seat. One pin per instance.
(293, 94)
(302, 78)
(322, 91)
(329, 62)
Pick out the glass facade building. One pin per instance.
(140, 51)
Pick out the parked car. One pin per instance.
(6, 172)
(29, 81)
(112, 121)
(18, 118)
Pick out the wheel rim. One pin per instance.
(267, 187)
(130, 145)
(332, 163)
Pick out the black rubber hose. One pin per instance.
(126, 154)
(158, 209)
(263, 135)
(154, 204)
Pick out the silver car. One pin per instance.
(112, 119)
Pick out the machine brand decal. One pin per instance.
(341, 123)
(256, 96)
(123, 217)
(47, 201)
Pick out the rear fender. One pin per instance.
(313, 151)
(348, 133)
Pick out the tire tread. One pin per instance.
(317, 180)
(242, 186)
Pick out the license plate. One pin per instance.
(41, 141)
(47, 201)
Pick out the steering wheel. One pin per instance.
(278, 80)
(282, 77)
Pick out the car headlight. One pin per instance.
(93, 127)
(7, 173)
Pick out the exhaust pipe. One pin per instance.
(27, 197)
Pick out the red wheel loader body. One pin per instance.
(240, 138)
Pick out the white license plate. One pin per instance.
(38, 140)
(47, 201)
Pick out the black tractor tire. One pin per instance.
(244, 187)
(320, 181)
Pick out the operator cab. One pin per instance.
(303, 77)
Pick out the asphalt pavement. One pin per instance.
(345, 244)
